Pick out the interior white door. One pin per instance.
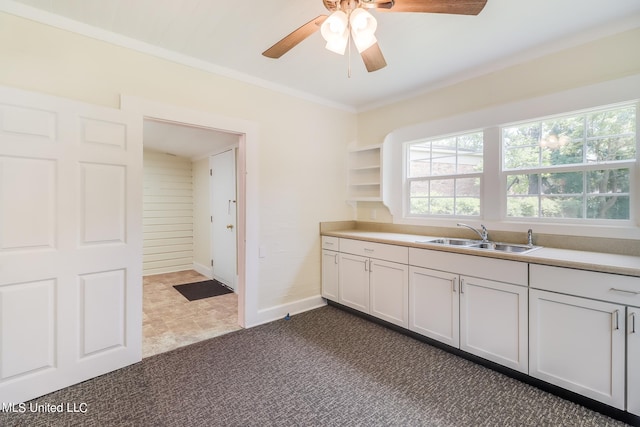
(223, 220)
(70, 242)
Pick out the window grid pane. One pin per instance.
(435, 171)
(599, 137)
(571, 145)
(600, 194)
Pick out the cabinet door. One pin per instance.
(389, 289)
(494, 321)
(330, 266)
(578, 344)
(434, 308)
(354, 281)
(633, 360)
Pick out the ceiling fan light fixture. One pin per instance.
(363, 28)
(335, 32)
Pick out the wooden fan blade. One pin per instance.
(290, 41)
(373, 58)
(456, 7)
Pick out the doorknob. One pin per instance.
(230, 226)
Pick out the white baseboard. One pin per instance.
(203, 269)
(279, 312)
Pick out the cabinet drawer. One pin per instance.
(588, 284)
(399, 254)
(331, 243)
(477, 266)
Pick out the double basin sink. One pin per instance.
(479, 244)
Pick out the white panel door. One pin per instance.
(494, 321)
(578, 344)
(354, 281)
(434, 309)
(223, 221)
(389, 291)
(70, 243)
(633, 360)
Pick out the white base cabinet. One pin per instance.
(372, 278)
(330, 268)
(581, 333)
(484, 317)
(578, 344)
(494, 321)
(330, 275)
(633, 360)
(354, 282)
(434, 305)
(389, 291)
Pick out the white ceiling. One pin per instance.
(423, 51)
(185, 141)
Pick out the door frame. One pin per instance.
(247, 182)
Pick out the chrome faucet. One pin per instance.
(484, 235)
(530, 237)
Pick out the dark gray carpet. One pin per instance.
(321, 368)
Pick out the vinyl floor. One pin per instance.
(170, 321)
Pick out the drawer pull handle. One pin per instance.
(633, 323)
(328, 243)
(625, 291)
(461, 285)
(336, 258)
(365, 265)
(615, 319)
(368, 250)
(453, 284)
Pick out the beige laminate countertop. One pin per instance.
(592, 261)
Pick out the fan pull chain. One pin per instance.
(349, 61)
(349, 49)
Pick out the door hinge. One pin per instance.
(210, 172)
(211, 263)
(212, 219)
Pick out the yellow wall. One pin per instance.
(605, 59)
(597, 61)
(302, 166)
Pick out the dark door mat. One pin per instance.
(200, 290)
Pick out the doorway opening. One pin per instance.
(180, 242)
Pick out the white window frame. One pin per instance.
(620, 91)
(575, 167)
(408, 180)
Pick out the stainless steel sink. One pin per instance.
(450, 241)
(505, 247)
(478, 244)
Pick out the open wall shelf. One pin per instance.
(365, 173)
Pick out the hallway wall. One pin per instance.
(167, 213)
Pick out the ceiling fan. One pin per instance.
(349, 19)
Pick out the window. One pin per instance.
(443, 175)
(577, 166)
